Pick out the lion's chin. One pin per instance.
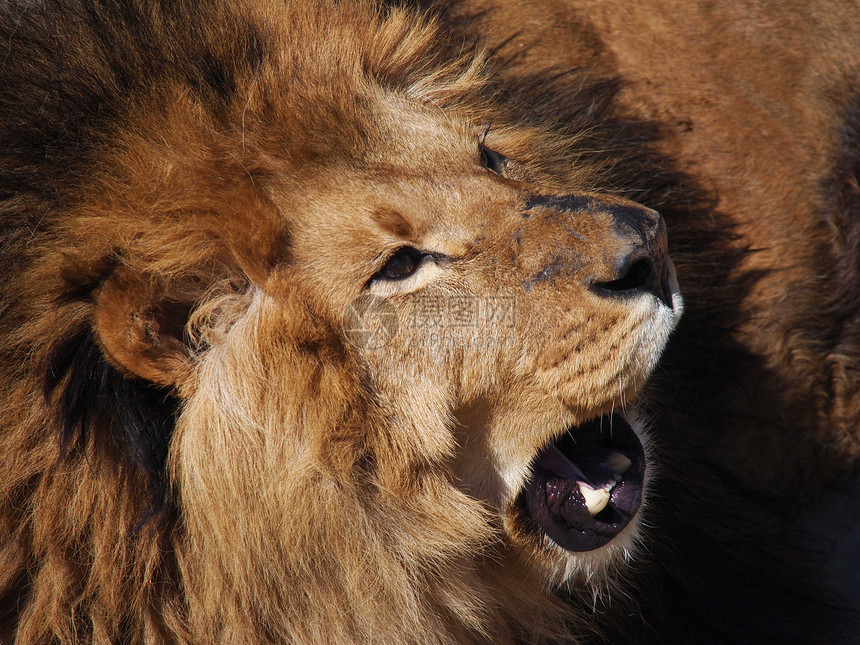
(587, 486)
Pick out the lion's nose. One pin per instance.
(641, 261)
(628, 241)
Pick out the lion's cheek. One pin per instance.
(595, 362)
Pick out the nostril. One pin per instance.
(635, 277)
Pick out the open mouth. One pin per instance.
(587, 485)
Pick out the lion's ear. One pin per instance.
(141, 328)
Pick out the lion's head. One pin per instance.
(370, 341)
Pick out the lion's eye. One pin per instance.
(492, 160)
(400, 265)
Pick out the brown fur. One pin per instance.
(198, 450)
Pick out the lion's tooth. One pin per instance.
(619, 463)
(595, 500)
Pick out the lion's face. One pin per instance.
(443, 313)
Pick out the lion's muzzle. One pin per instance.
(634, 255)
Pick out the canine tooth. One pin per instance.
(619, 463)
(595, 500)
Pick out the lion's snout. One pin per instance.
(626, 243)
(642, 262)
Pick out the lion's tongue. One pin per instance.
(554, 461)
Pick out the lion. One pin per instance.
(331, 322)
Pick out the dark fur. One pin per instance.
(842, 331)
(135, 419)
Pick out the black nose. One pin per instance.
(641, 264)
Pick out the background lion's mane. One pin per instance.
(91, 537)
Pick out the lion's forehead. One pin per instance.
(447, 211)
